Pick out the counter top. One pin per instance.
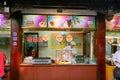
(7, 65)
(58, 72)
(22, 64)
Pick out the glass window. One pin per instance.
(49, 44)
(112, 45)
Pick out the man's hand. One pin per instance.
(118, 61)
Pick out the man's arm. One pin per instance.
(116, 57)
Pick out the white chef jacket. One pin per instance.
(115, 57)
(73, 51)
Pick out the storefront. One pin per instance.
(5, 34)
(48, 34)
(50, 43)
(112, 44)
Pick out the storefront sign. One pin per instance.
(113, 24)
(69, 38)
(35, 39)
(29, 38)
(59, 21)
(14, 38)
(4, 22)
(34, 21)
(59, 38)
(15, 43)
(14, 34)
(83, 22)
(40, 39)
(45, 37)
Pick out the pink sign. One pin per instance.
(59, 21)
(34, 21)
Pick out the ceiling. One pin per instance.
(67, 4)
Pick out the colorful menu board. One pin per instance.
(83, 22)
(4, 21)
(34, 21)
(114, 23)
(59, 21)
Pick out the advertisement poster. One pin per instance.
(83, 22)
(59, 21)
(114, 23)
(34, 21)
(55, 43)
(77, 37)
(4, 22)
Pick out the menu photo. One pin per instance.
(35, 21)
(83, 22)
(59, 21)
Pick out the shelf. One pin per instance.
(60, 29)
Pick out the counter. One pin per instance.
(58, 72)
(8, 74)
(109, 72)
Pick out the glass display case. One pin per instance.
(64, 56)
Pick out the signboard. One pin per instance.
(69, 38)
(113, 24)
(59, 21)
(34, 21)
(83, 21)
(4, 22)
(45, 37)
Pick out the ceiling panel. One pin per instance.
(71, 4)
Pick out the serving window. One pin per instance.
(49, 43)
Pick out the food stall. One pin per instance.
(5, 33)
(112, 44)
(49, 34)
(50, 43)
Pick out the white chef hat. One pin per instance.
(72, 43)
